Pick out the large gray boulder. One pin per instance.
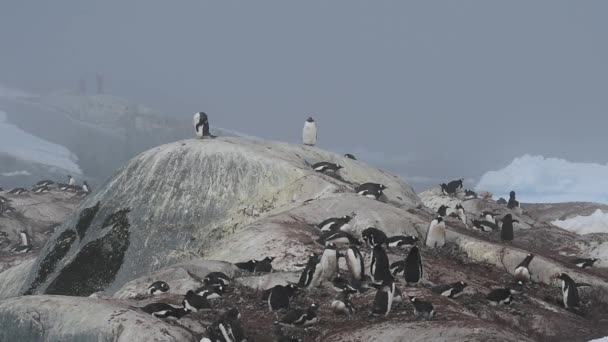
(181, 200)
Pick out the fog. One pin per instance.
(429, 90)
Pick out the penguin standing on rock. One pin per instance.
(309, 133)
(201, 125)
(569, 291)
(461, 214)
(310, 277)
(435, 235)
(158, 287)
(442, 211)
(413, 270)
(374, 236)
(506, 230)
(25, 243)
(279, 296)
(355, 263)
(513, 203)
(71, 180)
(328, 265)
(522, 272)
(384, 298)
(379, 267)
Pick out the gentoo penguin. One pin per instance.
(374, 236)
(71, 180)
(45, 182)
(326, 167)
(334, 223)
(338, 238)
(469, 194)
(513, 203)
(40, 189)
(355, 263)
(264, 265)
(435, 235)
(299, 318)
(517, 287)
(164, 310)
(384, 298)
(342, 305)
(569, 291)
(488, 216)
(451, 188)
(309, 133)
(506, 230)
(309, 273)
(85, 187)
(230, 327)
(193, 302)
(211, 291)
(371, 190)
(522, 273)
(201, 125)
(484, 226)
(500, 296)
(397, 268)
(4, 200)
(422, 309)
(158, 287)
(501, 201)
(452, 290)
(17, 191)
(25, 244)
(216, 278)
(248, 266)
(401, 240)
(413, 267)
(379, 267)
(350, 156)
(279, 296)
(584, 263)
(442, 211)
(461, 214)
(328, 265)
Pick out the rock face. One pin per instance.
(178, 200)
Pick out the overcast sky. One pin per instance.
(429, 89)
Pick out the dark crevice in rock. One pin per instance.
(85, 219)
(97, 263)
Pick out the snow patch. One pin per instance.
(594, 223)
(537, 179)
(15, 173)
(603, 339)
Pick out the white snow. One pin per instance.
(594, 223)
(603, 339)
(22, 145)
(537, 179)
(15, 173)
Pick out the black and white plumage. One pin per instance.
(211, 291)
(278, 297)
(264, 265)
(248, 266)
(339, 238)
(451, 187)
(371, 190)
(484, 226)
(469, 194)
(402, 240)
(379, 267)
(413, 267)
(201, 125)
(309, 132)
(506, 230)
(383, 301)
(355, 263)
(451, 290)
(228, 327)
(522, 272)
(374, 236)
(343, 305)
(500, 296)
(218, 278)
(45, 182)
(442, 210)
(488, 216)
(25, 243)
(513, 203)
(326, 167)
(570, 297)
(158, 287)
(334, 223)
(71, 180)
(397, 268)
(164, 310)
(328, 264)
(462, 216)
(422, 309)
(86, 188)
(193, 302)
(584, 262)
(4, 200)
(17, 191)
(340, 284)
(299, 318)
(41, 189)
(435, 235)
(309, 272)
(350, 156)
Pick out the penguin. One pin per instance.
(216, 278)
(413, 267)
(264, 265)
(17, 191)
(340, 283)
(442, 211)
(210, 291)
(454, 185)
(484, 226)
(469, 194)
(309, 133)
(355, 263)
(383, 301)
(488, 216)
(298, 317)
(397, 268)
(279, 296)
(569, 291)
(452, 290)
(500, 296)
(41, 189)
(584, 263)
(201, 125)
(309, 272)
(461, 214)
(371, 190)
(193, 302)
(339, 238)
(25, 243)
(326, 167)
(4, 200)
(45, 182)
(164, 310)
(422, 309)
(334, 223)
(501, 201)
(374, 236)
(343, 305)
(86, 188)
(158, 287)
(522, 272)
(328, 265)
(435, 235)
(506, 230)
(350, 156)
(248, 266)
(517, 287)
(71, 180)
(229, 326)
(379, 267)
(401, 240)
(513, 203)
